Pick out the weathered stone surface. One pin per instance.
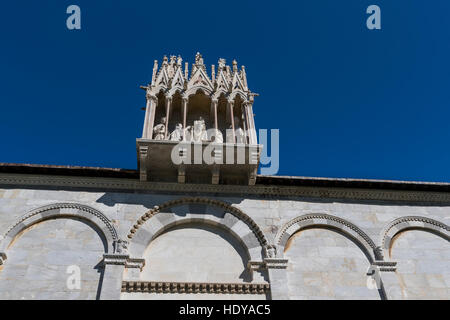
(322, 263)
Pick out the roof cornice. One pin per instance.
(129, 185)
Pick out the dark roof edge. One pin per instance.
(354, 183)
(76, 171)
(101, 172)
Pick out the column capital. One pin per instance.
(151, 96)
(119, 259)
(168, 97)
(385, 266)
(115, 259)
(275, 263)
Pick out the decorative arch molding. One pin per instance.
(172, 91)
(196, 210)
(160, 89)
(61, 210)
(220, 93)
(326, 221)
(408, 223)
(195, 89)
(239, 93)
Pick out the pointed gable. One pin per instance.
(178, 79)
(237, 83)
(162, 79)
(222, 83)
(200, 79)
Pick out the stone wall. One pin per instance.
(304, 248)
(195, 253)
(324, 264)
(38, 265)
(423, 265)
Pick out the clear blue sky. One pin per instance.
(349, 102)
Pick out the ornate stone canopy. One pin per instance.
(183, 110)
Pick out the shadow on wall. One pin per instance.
(150, 200)
(215, 245)
(51, 254)
(327, 263)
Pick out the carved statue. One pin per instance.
(187, 133)
(239, 132)
(216, 136)
(171, 69)
(199, 131)
(159, 130)
(177, 134)
(221, 64)
(121, 246)
(198, 59)
(271, 251)
(229, 134)
(234, 66)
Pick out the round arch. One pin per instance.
(61, 210)
(196, 210)
(409, 223)
(326, 221)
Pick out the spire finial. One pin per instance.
(234, 66)
(221, 64)
(198, 59)
(155, 70)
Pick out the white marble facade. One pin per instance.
(130, 234)
(319, 248)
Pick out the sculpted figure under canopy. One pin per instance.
(159, 130)
(199, 131)
(215, 136)
(229, 134)
(177, 134)
(239, 132)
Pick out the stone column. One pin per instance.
(384, 278)
(185, 101)
(214, 103)
(276, 266)
(230, 106)
(114, 265)
(149, 120)
(251, 123)
(245, 123)
(168, 104)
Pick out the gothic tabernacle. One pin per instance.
(182, 110)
